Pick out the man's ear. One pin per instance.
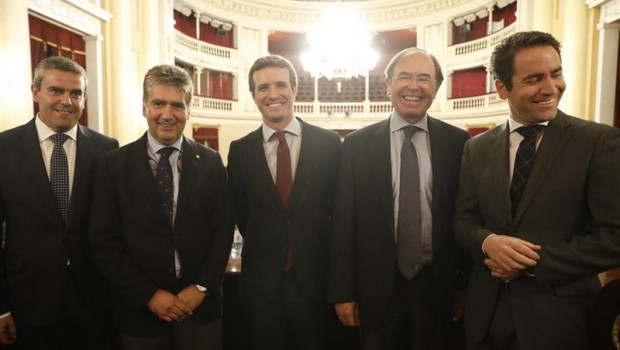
(502, 89)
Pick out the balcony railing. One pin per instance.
(480, 47)
(207, 104)
(476, 102)
(208, 55)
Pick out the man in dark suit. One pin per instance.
(374, 202)
(51, 294)
(283, 206)
(161, 227)
(538, 208)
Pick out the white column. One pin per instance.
(16, 78)
(197, 80)
(574, 42)
(536, 15)
(154, 19)
(124, 91)
(606, 73)
(94, 72)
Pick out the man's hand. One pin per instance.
(168, 306)
(496, 271)
(348, 314)
(8, 332)
(509, 256)
(191, 296)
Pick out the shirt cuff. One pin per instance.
(482, 247)
(5, 315)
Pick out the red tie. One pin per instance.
(284, 183)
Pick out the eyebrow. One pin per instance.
(538, 75)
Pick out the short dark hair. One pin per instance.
(503, 57)
(272, 61)
(389, 69)
(171, 75)
(60, 63)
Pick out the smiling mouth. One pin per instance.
(166, 125)
(545, 102)
(274, 105)
(412, 98)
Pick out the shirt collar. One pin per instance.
(294, 127)
(514, 125)
(155, 146)
(397, 122)
(45, 131)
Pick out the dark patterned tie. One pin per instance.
(164, 179)
(284, 183)
(59, 175)
(524, 161)
(409, 235)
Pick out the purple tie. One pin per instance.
(284, 183)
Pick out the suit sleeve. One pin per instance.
(109, 253)
(469, 233)
(235, 180)
(598, 247)
(341, 282)
(221, 229)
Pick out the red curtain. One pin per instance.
(476, 131)
(185, 24)
(47, 39)
(468, 83)
(207, 136)
(216, 84)
(216, 37)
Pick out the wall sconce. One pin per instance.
(205, 19)
(459, 21)
(216, 23)
(470, 18)
(227, 26)
(186, 11)
(482, 13)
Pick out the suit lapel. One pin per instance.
(378, 150)
(498, 155)
(35, 167)
(84, 157)
(556, 135)
(308, 157)
(143, 178)
(190, 173)
(258, 169)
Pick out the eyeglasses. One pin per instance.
(422, 80)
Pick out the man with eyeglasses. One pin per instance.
(393, 261)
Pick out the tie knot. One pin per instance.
(166, 151)
(409, 131)
(530, 131)
(280, 136)
(59, 139)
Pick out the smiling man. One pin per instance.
(538, 208)
(393, 258)
(161, 226)
(52, 295)
(282, 178)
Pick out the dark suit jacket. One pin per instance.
(134, 245)
(37, 245)
(268, 228)
(570, 206)
(363, 257)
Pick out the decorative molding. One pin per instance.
(303, 13)
(76, 15)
